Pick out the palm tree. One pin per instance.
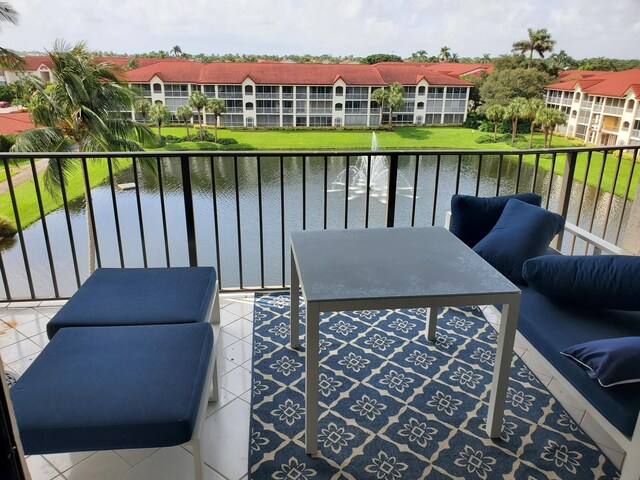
(534, 105)
(454, 58)
(216, 107)
(549, 119)
(159, 114)
(380, 96)
(184, 114)
(539, 41)
(495, 114)
(419, 56)
(8, 58)
(176, 51)
(142, 106)
(445, 54)
(486, 58)
(395, 99)
(515, 111)
(198, 101)
(79, 111)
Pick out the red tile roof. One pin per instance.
(290, 73)
(11, 123)
(608, 84)
(32, 62)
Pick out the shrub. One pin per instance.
(172, 139)
(207, 136)
(227, 141)
(6, 227)
(474, 120)
(6, 142)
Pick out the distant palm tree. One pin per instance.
(159, 114)
(534, 105)
(445, 54)
(395, 99)
(516, 110)
(198, 101)
(184, 114)
(486, 58)
(380, 96)
(79, 111)
(8, 58)
(539, 41)
(549, 119)
(142, 106)
(176, 51)
(454, 58)
(216, 107)
(495, 114)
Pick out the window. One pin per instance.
(318, 106)
(324, 121)
(339, 92)
(338, 107)
(357, 93)
(248, 106)
(630, 104)
(355, 120)
(230, 91)
(228, 120)
(249, 122)
(321, 93)
(209, 91)
(431, 118)
(267, 106)
(268, 120)
(268, 91)
(287, 91)
(301, 92)
(176, 90)
(338, 122)
(457, 92)
(233, 106)
(301, 121)
(421, 90)
(356, 107)
(143, 88)
(157, 88)
(435, 92)
(301, 106)
(420, 105)
(287, 120)
(287, 106)
(453, 118)
(419, 120)
(248, 90)
(409, 92)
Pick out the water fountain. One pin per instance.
(378, 177)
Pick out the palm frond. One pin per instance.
(8, 14)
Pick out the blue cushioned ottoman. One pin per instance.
(139, 296)
(103, 388)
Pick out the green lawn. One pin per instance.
(26, 197)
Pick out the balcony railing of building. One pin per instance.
(613, 110)
(587, 105)
(359, 111)
(324, 111)
(235, 210)
(267, 109)
(320, 96)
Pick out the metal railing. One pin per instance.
(235, 210)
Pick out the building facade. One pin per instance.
(600, 107)
(307, 95)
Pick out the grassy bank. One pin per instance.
(26, 196)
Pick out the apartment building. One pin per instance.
(273, 94)
(600, 107)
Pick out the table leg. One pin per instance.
(431, 324)
(504, 354)
(294, 295)
(312, 366)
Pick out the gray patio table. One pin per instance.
(391, 268)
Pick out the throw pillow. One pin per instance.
(612, 361)
(523, 231)
(602, 281)
(473, 217)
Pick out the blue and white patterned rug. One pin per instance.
(394, 406)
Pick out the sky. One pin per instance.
(583, 28)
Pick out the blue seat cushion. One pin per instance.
(602, 281)
(103, 388)
(523, 231)
(611, 361)
(552, 327)
(473, 217)
(138, 296)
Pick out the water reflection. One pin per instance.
(268, 212)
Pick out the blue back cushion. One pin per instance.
(138, 296)
(104, 388)
(523, 231)
(473, 217)
(611, 361)
(603, 281)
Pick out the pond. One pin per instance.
(260, 194)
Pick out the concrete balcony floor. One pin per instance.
(225, 436)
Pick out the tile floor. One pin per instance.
(225, 436)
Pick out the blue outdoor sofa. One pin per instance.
(131, 364)
(563, 316)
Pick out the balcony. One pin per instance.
(635, 133)
(235, 210)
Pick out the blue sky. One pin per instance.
(583, 28)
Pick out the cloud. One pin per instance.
(354, 27)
